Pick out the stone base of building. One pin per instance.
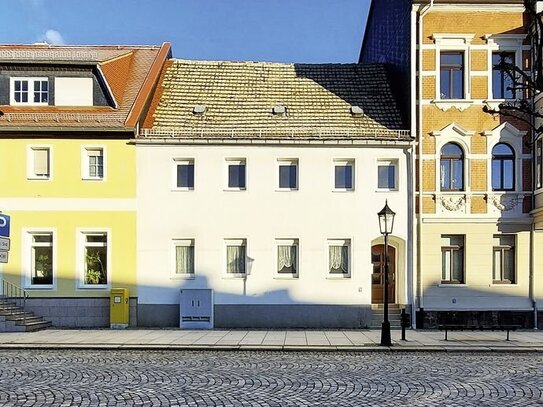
(264, 316)
(429, 319)
(77, 312)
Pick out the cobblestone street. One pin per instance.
(216, 378)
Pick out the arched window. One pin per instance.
(503, 168)
(452, 168)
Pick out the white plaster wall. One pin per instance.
(261, 214)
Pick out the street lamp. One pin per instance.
(386, 223)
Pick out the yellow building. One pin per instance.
(67, 114)
(472, 228)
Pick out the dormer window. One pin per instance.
(29, 91)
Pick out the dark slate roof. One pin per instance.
(239, 98)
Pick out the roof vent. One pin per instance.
(279, 110)
(357, 111)
(199, 109)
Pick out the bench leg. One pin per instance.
(507, 335)
(446, 334)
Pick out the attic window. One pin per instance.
(279, 110)
(199, 109)
(357, 111)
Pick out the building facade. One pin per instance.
(261, 183)
(475, 257)
(66, 117)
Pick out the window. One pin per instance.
(236, 257)
(504, 260)
(503, 168)
(184, 257)
(339, 264)
(343, 175)
(452, 259)
(539, 163)
(95, 260)
(452, 168)
(386, 175)
(502, 82)
(32, 91)
(287, 257)
(39, 163)
(452, 75)
(288, 174)
(93, 163)
(41, 259)
(184, 174)
(236, 174)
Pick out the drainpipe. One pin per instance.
(419, 41)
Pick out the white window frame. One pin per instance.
(393, 163)
(503, 283)
(286, 242)
(235, 161)
(181, 161)
(185, 242)
(85, 163)
(30, 174)
(450, 282)
(343, 162)
(287, 161)
(338, 242)
(80, 258)
(234, 242)
(26, 261)
(30, 92)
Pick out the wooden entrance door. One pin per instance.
(378, 274)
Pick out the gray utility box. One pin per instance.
(196, 309)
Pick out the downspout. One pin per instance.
(418, 132)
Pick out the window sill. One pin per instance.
(503, 283)
(234, 277)
(182, 189)
(234, 189)
(338, 276)
(35, 178)
(40, 287)
(182, 277)
(92, 179)
(343, 190)
(451, 284)
(446, 104)
(286, 189)
(94, 287)
(379, 190)
(285, 277)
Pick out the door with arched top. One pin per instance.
(378, 274)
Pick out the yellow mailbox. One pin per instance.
(119, 306)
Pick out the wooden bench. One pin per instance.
(459, 327)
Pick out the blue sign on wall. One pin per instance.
(4, 225)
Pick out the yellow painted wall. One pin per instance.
(121, 227)
(66, 173)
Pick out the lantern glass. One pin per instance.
(386, 220)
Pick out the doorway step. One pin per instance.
(394, 316)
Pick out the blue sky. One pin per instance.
(257, 30)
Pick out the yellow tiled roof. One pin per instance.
(240, 96)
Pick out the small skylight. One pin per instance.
(279, 110)
(199, 109)
(357, 111)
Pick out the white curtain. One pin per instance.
(184, 260)
(235, 259)
(339, 259)
(286, 259)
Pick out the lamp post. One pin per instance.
(386, 223)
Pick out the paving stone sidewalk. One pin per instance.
(348, 340)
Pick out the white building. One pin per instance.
(262, 183)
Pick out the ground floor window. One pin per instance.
(504, 260)
(339, 257)
(184, 257)
(41, 258)
(452, 259)
(236, 256)
(287, 257)
(95, 258)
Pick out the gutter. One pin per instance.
(42, 129)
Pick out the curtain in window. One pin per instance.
(235, 259)
(184, 260)
(41, 162)
(286, 259)
(339, 259)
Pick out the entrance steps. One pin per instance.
(394, 316)
(13, 318)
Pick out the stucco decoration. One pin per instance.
(453, 203)
(505, 202)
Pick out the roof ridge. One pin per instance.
(331, 64)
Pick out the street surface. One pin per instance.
(218, 378)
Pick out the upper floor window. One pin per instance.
(386, 175)
(503, 168)
(184, 174)
(452, 75)
(502, 81)
(343, 175)
(236, 174)
(288, 174)
(39, 163)
(452, 168)
(31, 91)
(93, 163)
